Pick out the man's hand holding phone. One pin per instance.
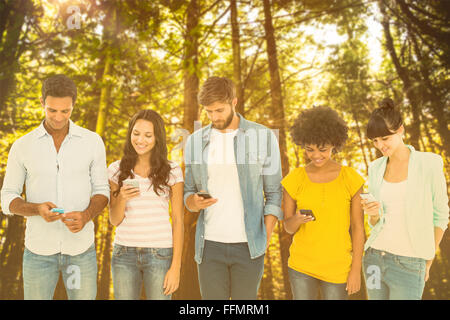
(202, 200)
(44, 210)
(75, 220)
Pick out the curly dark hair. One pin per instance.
(319, 126)
(59, 86)
(159, 164)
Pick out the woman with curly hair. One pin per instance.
(147, 248)
(321, 203)
(409, 215)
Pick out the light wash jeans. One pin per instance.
(305, 287)
(133, 266)
(392, 277)
(41, 274)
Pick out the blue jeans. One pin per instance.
(227, 271)
(132, 267)
(305, 287)
(392, 277)
(41, 274)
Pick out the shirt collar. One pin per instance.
(243, 126)
(74, 130)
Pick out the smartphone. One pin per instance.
(204, 195)
(308, 213)
(131, 182)
(368, 196)
(57, 210)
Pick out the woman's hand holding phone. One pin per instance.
(371, 208)
(303, 218)
(128, 192)
(370, 205)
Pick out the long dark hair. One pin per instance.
(384, 120)
(159, 164)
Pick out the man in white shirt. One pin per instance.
(238, 162)
(63, 166)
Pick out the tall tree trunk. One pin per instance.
(105, 270)
(109, 41)
(408, 86)
(266, 288)
(361, 142)
(277, 113)
(105, 94)
(5, 11)
(190, 66)
(14, 12)
(11, 259)
(189, 287)
(237, 73)
(433, 96)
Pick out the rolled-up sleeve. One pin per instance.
(98, 170)
(14, 179)
(440, 196)
(372, 177)
(273, 190)
(189, 183)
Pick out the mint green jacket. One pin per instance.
(426, 200)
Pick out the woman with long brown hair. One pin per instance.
(147, 247)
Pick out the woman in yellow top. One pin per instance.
(324, 253)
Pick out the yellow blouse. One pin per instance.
(323, 248)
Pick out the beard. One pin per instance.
(226, 122)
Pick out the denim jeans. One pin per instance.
(305, 287)
(41, 274)
(392, 277)
(132, 267)
(227, 271)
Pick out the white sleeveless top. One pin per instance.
(394, 237)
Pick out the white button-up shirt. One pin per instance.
(68, 178)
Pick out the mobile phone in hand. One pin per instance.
(57, 210)
(131, 182)
(368, 196)
(308, 213)
(204, 195)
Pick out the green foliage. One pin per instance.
(323, 54)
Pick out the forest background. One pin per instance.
(286, 55)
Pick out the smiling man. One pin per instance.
(238, 162)
(62, 166)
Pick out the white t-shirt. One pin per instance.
(224, 220)
(147, 220)
(394, 237)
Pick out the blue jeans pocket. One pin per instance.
(370, 258)
(164, 253)
(118, 250)
(412, 265)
